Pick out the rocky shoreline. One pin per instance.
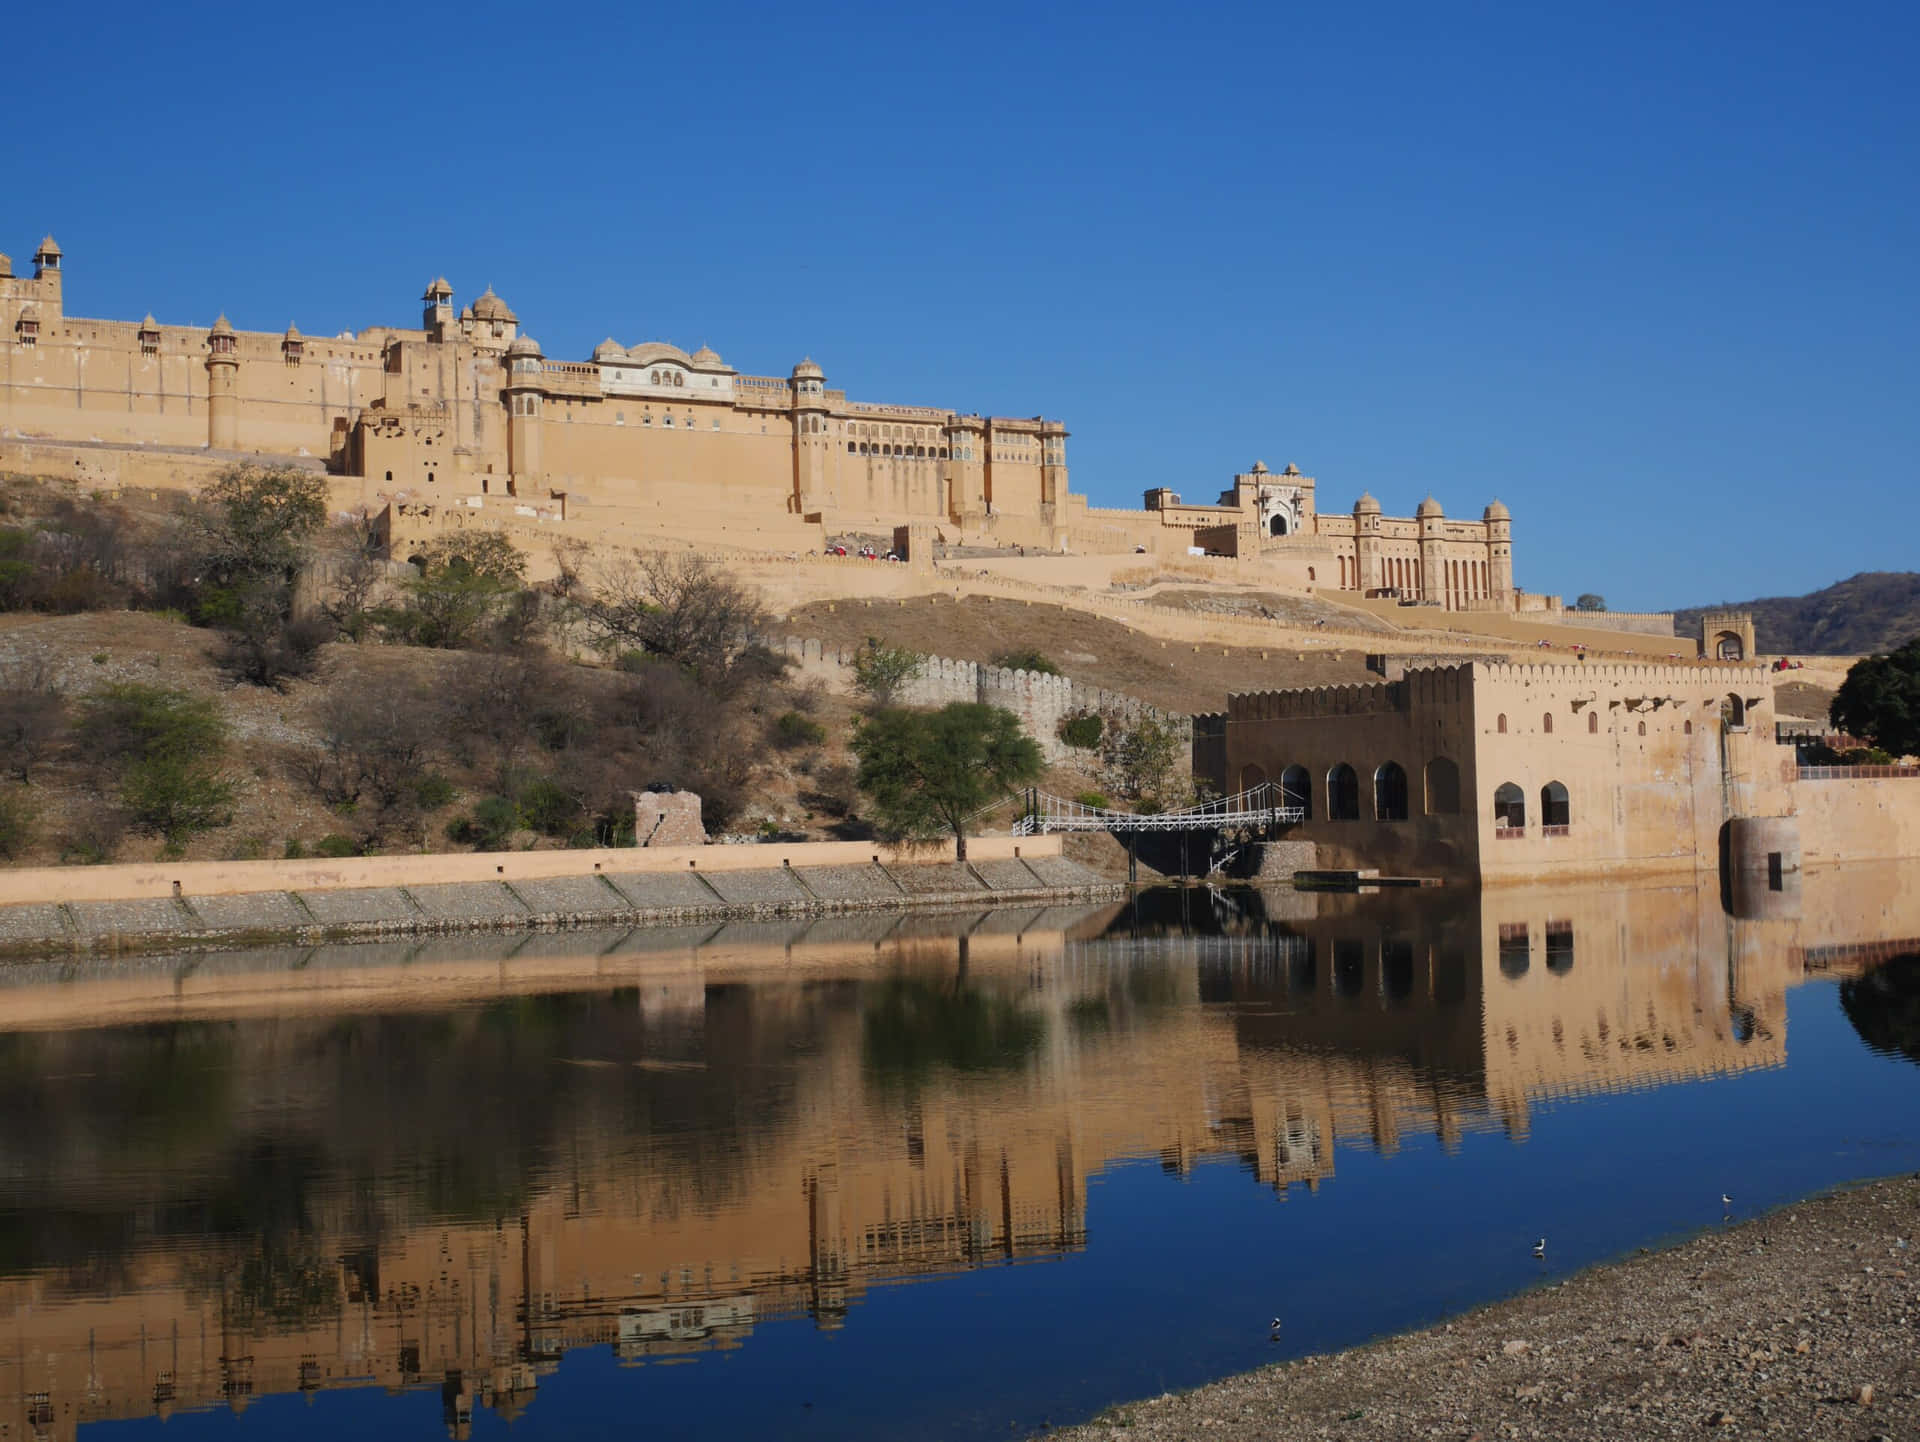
(1801, 1323)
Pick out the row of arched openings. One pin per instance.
(925, 453)
(1510, 806)
(1342, 790)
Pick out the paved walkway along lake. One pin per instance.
(977, 1173)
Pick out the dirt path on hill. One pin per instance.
(1804, 1323)
(1174, 675)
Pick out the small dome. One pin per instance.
(808, 370)
(149, 323)
(222, 326)
(524, 345)
(293, 332)
(609, 350)
(648, 351)
(439, 288)
(490, 307)
(1291, 470)
(1366, 504)
(1259, 469)
(1496, 512)
(47, 247)
(707, 356)
(1429, 509)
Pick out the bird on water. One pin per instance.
(1540, 1247)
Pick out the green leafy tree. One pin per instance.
(1142, 762)
(466, 581)
(1590, 602)
(928, 771)
(882, 673)
(166, 747)
(1880, 700)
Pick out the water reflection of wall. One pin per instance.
(705, 1132)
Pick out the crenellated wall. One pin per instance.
(1039, 700)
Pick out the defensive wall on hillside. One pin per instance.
(1041, 701)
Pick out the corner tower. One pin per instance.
(525, 395)
(46, 270)
(1499, 521)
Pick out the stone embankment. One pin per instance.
(1802, 1323)
(56, 911)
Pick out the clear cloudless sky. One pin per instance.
(1645, 271)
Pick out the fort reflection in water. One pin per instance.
(447, 1164)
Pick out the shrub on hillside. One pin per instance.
(1026, 659)
(18, 821)
(1081, 730)
(791, 730)
(165, 747)
(883, 673)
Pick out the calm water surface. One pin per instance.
(883, 1177)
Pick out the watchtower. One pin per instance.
(1726, 636)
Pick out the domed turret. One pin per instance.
(490, 307)
(1259, 469)
(1291, 470)
(808, 370)
(1496, 512)
(439, 290)
(707, 357)
(222, 326)
(1366, 505)
(608, 350)
(524, 347)
(1429, 510)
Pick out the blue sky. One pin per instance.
(1643, 271)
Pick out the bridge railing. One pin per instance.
(1262, 805)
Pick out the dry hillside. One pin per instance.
(1173, 675)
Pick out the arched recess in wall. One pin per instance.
(1443, 787)
(1593, 722)
(1296, 789)
(1554, 809)
(1733, 710)
(1546, 723)
(1251, 776)
(1727, 647)
(1501, 724)
(1390, 792)
(1278, 526)
(1343, 794)
(1509, 807)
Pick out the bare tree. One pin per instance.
(378, 735)
(681, 607)
(33, 713)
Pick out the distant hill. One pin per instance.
(1873, 611)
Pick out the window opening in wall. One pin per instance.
(1643, 728)
(1349, 967)
(1555, 814)
(1733, 713)
(1443, 787)
(1514, 951)
(1501, 724)
(1390, 792)
(1296, 789)
(1509, 808)
(1559, 947)
(1687, 728)
(1593, 722)
(1396, 969)
(1343, 794)
(1546, 723)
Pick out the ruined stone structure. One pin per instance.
(463, 420)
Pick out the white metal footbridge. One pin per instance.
(1262, 806)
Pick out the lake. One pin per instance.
(955, 1176)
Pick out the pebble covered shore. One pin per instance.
(1801, 1323)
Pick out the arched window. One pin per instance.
(1278, 527)
(1343, 794)
(1553, 805)
(1296, 789)
(1727, 647)
(1688, 728)
(1643, 728)
(1559, 947)
(1390, 792)
(656, 378)
(851, 447)
(1546, 723)
(1593, 722)
(1443, 787)
(679, 379)
(1501, 724)
(1509, 807)
(1733, 711)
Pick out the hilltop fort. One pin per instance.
(462, 419)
